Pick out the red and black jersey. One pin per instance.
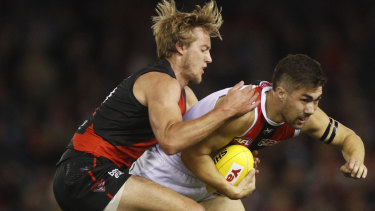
(120, 129)
(264, 132)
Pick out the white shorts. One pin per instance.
(170, 172)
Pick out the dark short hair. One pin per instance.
(297, 71)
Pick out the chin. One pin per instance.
(196, 80)
(298, 126)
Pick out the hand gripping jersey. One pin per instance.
(169, 170)
(120, 129)
(263, 131)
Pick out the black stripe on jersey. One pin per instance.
(266, 133)
(184, 93)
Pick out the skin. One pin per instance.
(298, 108)
(161, 93)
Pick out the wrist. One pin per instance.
(225, 113)
(230, 191)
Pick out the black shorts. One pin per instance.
(85, 182)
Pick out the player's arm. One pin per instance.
(161, 93)
(198, 159)
(328, 130)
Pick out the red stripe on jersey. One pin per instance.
(92, 176)
(282, 132)
(92, 143)
(97, 146)
(94, 162)
(109, 195)
(255, 130)
(182, 104)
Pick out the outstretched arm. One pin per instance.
(320, 126)
(161, 93)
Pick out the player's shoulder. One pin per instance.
(158, 80)
(157, 86)
(156, 77)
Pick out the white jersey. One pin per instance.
(205, 105)
(169, 170)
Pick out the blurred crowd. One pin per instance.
(59, 60)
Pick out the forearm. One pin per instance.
(353, 148)
(181, 135)
(204, 168)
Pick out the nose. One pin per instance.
(310, 108)
(208, 58)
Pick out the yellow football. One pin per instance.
(233, 162)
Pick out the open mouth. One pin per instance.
(302, 120)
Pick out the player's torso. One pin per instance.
(120, 128)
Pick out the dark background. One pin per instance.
(60, 59)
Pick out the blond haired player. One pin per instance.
(144, 109)
(289, 106)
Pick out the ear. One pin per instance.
(281, 93)
(179, 48)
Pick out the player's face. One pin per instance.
(197, 56)
(300, 105)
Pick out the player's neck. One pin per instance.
(177, 69)
(273, 107)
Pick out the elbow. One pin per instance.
(168, 148)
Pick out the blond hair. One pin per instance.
(172, 26)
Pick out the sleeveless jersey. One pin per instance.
(263, 131)
(120, 129)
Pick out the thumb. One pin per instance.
(344, 168)
(251, 174)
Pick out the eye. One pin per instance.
(205, 48)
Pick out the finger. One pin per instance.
(351, 164)
(238, 85)
(355, 168)
(364, 175)
(254, 105)
(252, 173)
(256, 160)
(254, 95)
(249, 177)
(255, 153)
(344, 168)
(360, 172)
(248, 90)
(256, 163)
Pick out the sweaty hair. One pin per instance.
(172, 26)
(298, 71)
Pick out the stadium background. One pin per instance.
(59, 60)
